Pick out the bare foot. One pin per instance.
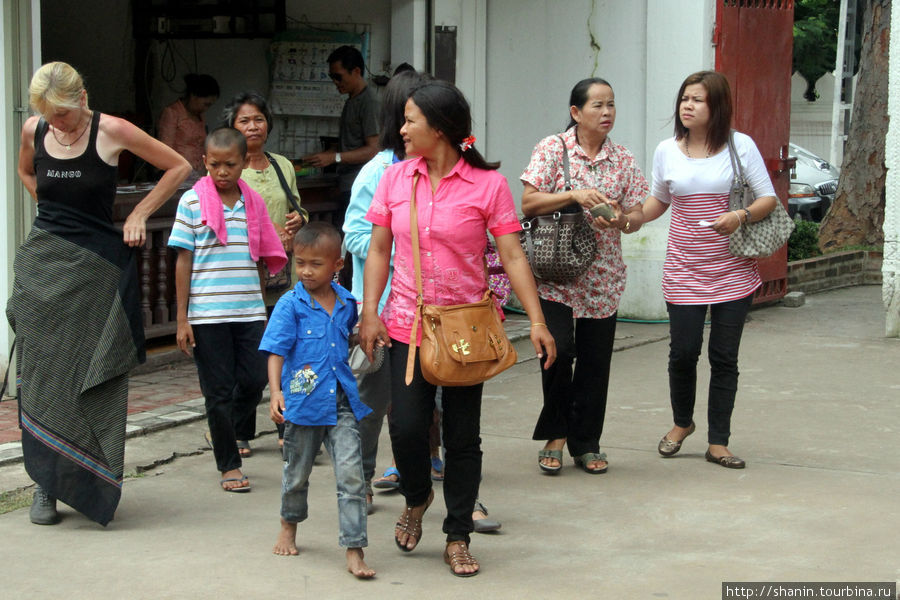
(286, 544)
(356, 564)
(547, 461)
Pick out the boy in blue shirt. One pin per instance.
(314, 393)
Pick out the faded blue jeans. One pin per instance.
(342, 443)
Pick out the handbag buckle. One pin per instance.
(462, 348)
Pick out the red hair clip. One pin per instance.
(467, 143)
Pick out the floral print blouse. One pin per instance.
(596, 294)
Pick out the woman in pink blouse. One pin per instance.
(582, 314)
(459, 196)
(692, 173)
(182, 126)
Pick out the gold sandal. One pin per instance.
(460, 557)
(410, 523)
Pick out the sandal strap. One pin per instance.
(557, 454)
(460, 556)
(480, 507)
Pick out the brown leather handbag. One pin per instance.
(462, 344)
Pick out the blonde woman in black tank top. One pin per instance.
(75, 301)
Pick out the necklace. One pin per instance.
(68, 146)
(687, 149)
(265, 161)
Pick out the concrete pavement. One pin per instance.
(816, 419)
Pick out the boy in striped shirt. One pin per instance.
(224, 240)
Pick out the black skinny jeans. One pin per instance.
(232, 373)
(575, 399)
(686, 342)
(412, 412)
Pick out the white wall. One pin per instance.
(538, 49)
(811, 121)
(470, 19)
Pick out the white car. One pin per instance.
(813, 184)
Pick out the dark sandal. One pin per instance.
(460, 557)
(583, 460)
(410, 524)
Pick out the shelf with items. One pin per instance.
(208, 18)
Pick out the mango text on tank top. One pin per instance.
(56, 174)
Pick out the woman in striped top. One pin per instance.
(692, 173)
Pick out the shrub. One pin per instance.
(804, 241)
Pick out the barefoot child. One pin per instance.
(314, 393)
(223, 234)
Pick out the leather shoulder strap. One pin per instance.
(284, 183)
(735, 159)
(417, 262)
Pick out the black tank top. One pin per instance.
(84, 183)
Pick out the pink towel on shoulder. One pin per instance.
(261, 235)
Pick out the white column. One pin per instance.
(409, 32)
(836, 156)
(673, 53)
(890, 269)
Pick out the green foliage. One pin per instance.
(815, 40)
(804, 241)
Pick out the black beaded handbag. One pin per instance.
(561, 246)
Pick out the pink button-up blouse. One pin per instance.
(452, 225)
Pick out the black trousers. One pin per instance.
(575, 398)
(686, 341)
(412, 408)
(232, 373)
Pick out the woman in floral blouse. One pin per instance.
(581, 314)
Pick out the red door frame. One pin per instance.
(754, 43)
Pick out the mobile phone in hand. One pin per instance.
(603, 210)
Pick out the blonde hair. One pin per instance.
(55, 85)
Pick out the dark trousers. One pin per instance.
(232, 373)
(412, 412)
(686, 342)
(575, 398)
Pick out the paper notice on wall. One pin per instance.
(305, 98)
(299, 72)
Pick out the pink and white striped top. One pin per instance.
(698, 268)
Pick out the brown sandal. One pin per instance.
(460, 557)
(410, 523)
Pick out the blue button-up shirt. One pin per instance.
(314, 346)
